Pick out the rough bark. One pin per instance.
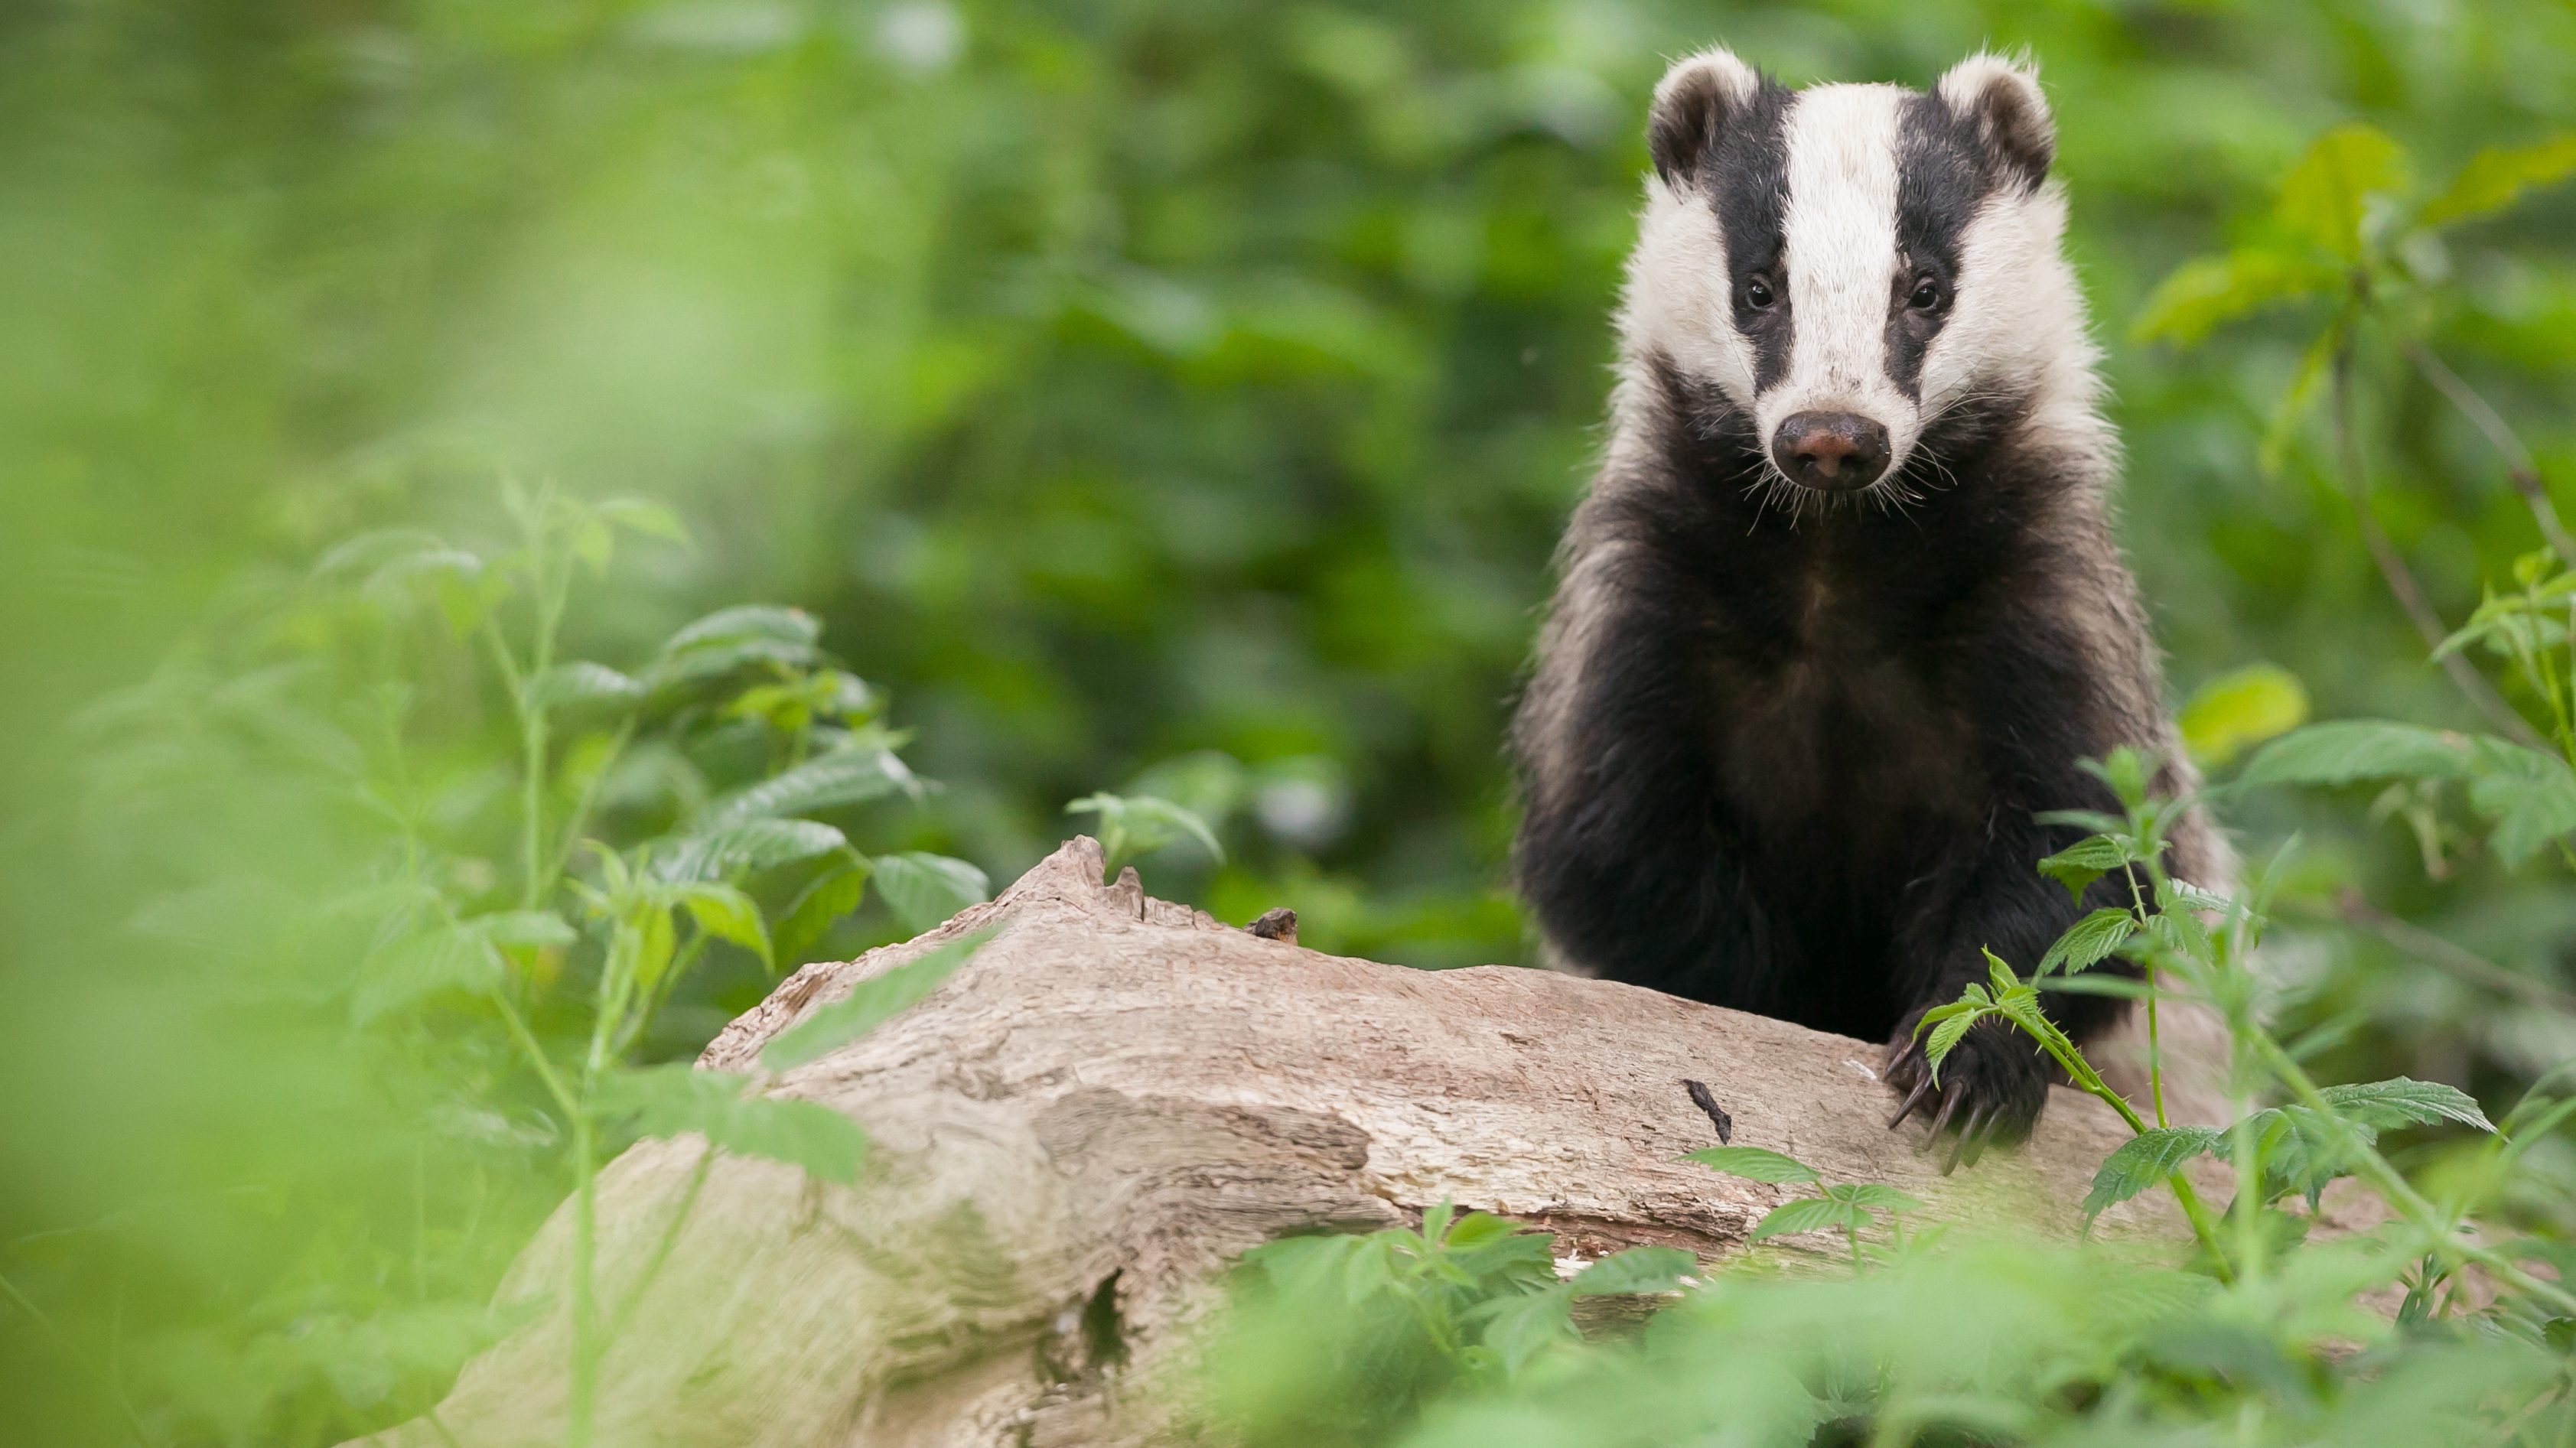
(1116, 1097)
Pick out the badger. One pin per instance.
(1841, 619)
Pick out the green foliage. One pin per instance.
(1179, 396)
(873, 1002)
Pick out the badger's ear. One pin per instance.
(1692, 105)
(2001, 98)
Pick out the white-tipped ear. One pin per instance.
(2001, 97)
(1692, 104)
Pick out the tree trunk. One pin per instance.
(1112, 1100)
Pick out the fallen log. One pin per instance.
(1114, 1099)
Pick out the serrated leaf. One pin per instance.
(844, 777)
(1813, 1214)
(2529, 795)
(2496, 178)
(1875, 1196)
(678, 1099)
(2089, 941)
(2206, 292)
(828, 897)
(1637, 1269)
(728, 914)
(2080, 864)
(2240, 709)
(2326, 194)
(1521, 1327)
(420, 965)
(1477, 1229)
(923, 890)
(2144, 1160)
(732, 638)
(1754, 1163)
(2351, 749)
(582, 682)
(871, 1004)
(1945, 1039)
(2404, 1101)
(758, 844)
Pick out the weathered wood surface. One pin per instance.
(1116, 1097)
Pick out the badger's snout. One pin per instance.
(1832, 452)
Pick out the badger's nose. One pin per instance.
(1830, 451)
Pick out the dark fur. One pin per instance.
(1796, 769)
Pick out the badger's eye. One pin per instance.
(1927, 295)
(1757, 293)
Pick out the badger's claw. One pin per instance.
(1992, 1086)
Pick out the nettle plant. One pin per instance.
(537, 856)
(2261, 1335)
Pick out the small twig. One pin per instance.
(2401, 580)
(1700, 1097)
(2518, 461)
(2355, 910)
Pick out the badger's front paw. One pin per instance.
(1992, 1085)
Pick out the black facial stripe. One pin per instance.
(1747, 184)
(1943, 176)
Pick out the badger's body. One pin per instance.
(1842, 614)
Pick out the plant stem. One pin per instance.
(2355, 909)
(2392, 565)
(2518, 461)
(2399, 1192)
(62, 1340)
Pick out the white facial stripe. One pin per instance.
(1843, 153)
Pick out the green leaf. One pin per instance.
(642, 515)
(728, 914)
(746, 621)
(2237, 710)
(924, 890)
(758, 844)
(1754, 1163)
(2089, 941)
(1519, 1328)
(523, 929)
(1875, 1197)
(731, 638)
(2351, 749)
(1638, 1269)
(1945, 1039)
(654, 941)
(871, 1004)
(828, 897)
(573, 684)
(1813, 1214)
(443, 958)
(2206, 292)
(2496, 178)
(2087, 860)
(677, 1099)
(2327, 194)
(1139, 824)
(2405, 1102)
(2144, 1160)
(2529, 795)
(844, 777)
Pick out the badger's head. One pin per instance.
(1855, 272)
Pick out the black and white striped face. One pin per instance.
(1849, 264)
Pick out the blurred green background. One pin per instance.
(1116, 382)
